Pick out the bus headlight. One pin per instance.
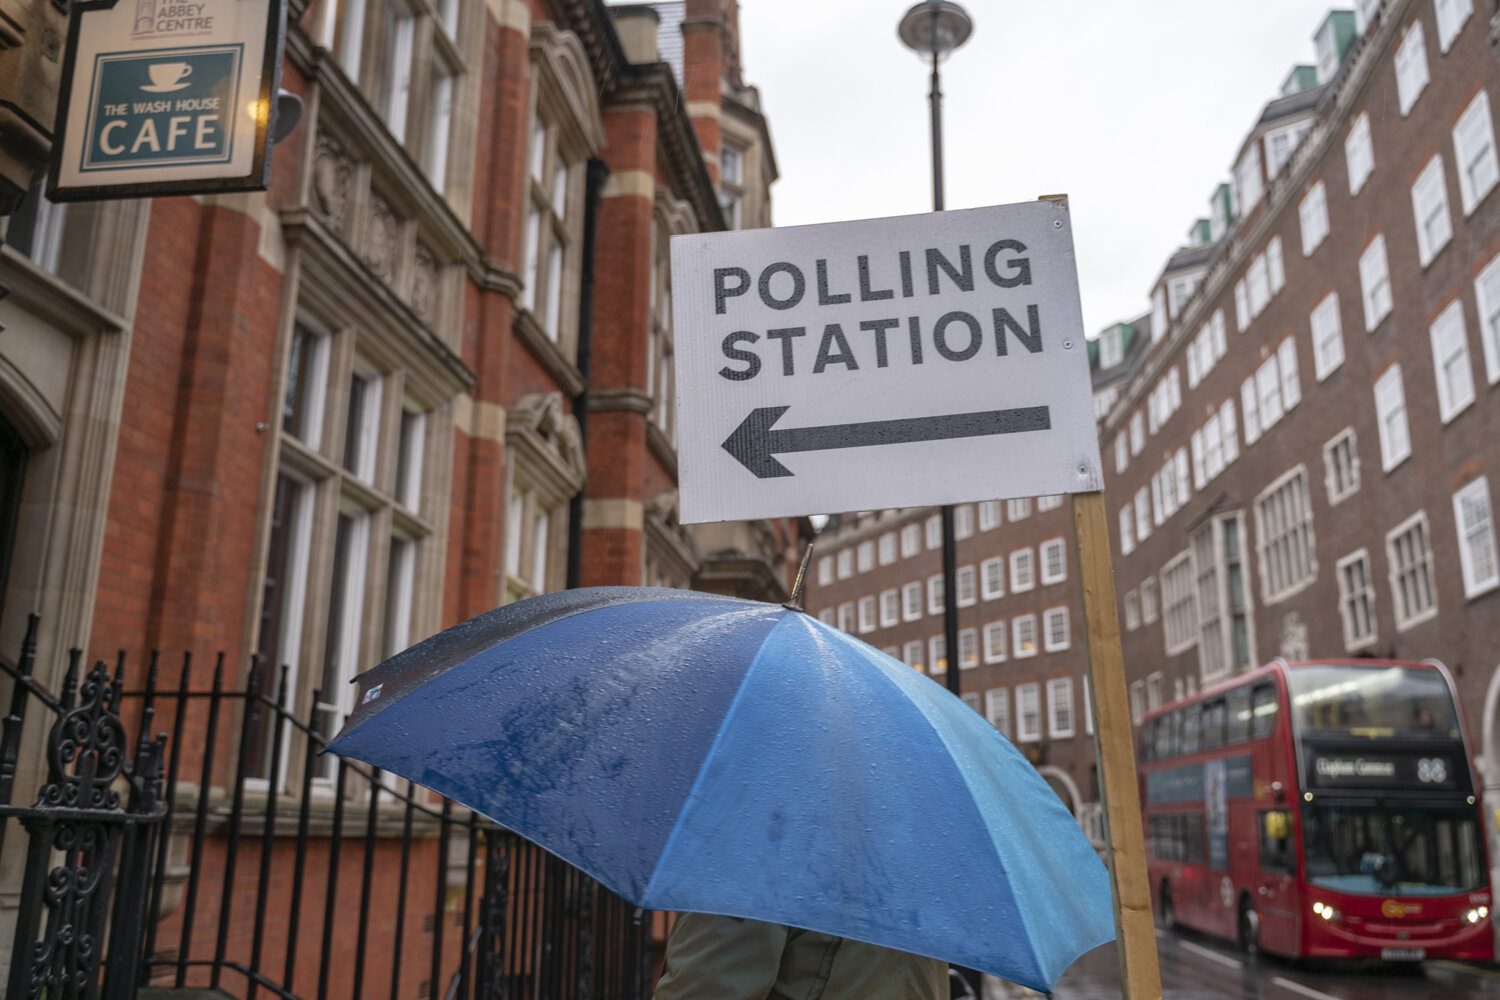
(1477, 914)
(1325, 911)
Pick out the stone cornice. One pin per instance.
(438, 217)
(546, 353)
(630, 400)
(346, 275)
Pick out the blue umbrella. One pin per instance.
(703, 753)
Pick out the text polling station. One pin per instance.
(896, 362)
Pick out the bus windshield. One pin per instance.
(1392, 851)
(1372, 701)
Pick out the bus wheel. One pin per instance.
(1249, 928)
(1168, 918)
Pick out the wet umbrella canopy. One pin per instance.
(697, 752)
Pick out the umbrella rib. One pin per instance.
(693, 793)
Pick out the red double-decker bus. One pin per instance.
(1320, 809)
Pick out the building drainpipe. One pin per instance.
(597, 174)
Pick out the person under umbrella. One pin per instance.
(712, 957)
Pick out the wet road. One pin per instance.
(1194, 967)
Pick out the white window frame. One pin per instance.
(1406, 614)
(1410, 63)
(1285, 546)
(934, 531)
(1149, 605)
(887, 548)
(1061, 717)
(911, 610)
(1474, 153)
(997, 709)
(1127, 529)
(911, 540)
(865, 557)
(1022, 570)
(937, 654)
(968, 648)
(1250, 405)
(1429, 205)
(1028, 712)
(968, 592)
(1336, 495)
(1024, 642)
(1487, 301)
(1327, 336)
(1375, 282)
(1391, 419)
(1474, 521)
(1451, 16)
(963, 521)
(1055, 629)
(989, 515)
(992, 578)
(825, 571)
(868, 617)
(1180, 616)
(1348, 598)
(911, 654)
(846, 564)
(1450, 362)
(1359, 153)
(1312, 212)
(995, 651)
(935, 594)
(1050, 551)
(890, 607)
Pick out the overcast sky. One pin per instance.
(1135, 110)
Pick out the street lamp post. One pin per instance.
(933, 29)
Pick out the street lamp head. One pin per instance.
(934, 28)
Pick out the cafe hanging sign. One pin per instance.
(167, 97)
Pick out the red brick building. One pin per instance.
(1299, 436)
(1300, 461)
(428, 372)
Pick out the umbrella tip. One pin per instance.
(794, 603)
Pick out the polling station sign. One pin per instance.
(899, 362)
(167, 98)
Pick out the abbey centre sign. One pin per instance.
(167, 97)
(903, 362)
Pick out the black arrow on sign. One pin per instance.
(753, 442)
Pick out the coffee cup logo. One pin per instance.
(168, 76)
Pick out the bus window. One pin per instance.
(1262, 710)
(1163, 738)
(1213, 723)
(1148, 740)
(1177, 837)
(1373, 703)
(1407, 850)
(1239, 715)
(1190, 730)
(1277, 849)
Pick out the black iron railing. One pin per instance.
(307, 881)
